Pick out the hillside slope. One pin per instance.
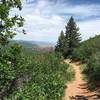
(89, 53)
(87, 49)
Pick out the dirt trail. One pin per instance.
(77, 89)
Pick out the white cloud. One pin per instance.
(45, 19)
(89, 28)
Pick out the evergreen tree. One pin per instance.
(60, 44)
(72, 37)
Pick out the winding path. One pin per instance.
(77, 89)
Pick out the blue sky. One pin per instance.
(46, 18)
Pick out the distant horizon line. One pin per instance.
(51, 42)
(35, 41)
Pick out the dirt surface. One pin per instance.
(78, 89)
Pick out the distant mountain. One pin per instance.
(43, 44)
(23, 43)
(34, 44)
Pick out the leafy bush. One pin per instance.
(89, 53)
(48, 76)
(92, 69)
(13, 65)
(86, 49)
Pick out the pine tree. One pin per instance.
(60, 44)
(72, 37)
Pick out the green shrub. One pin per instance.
(49, 75)
(13, 65)
(86, 49)
(89, 53)
(93, 68)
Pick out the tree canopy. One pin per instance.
(8, 23)
(71, 38)
(60, 44)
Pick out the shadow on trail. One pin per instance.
(78, 97)
(82, 97)
(94, 96)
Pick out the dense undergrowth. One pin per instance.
(89, 53)
(31, 75)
